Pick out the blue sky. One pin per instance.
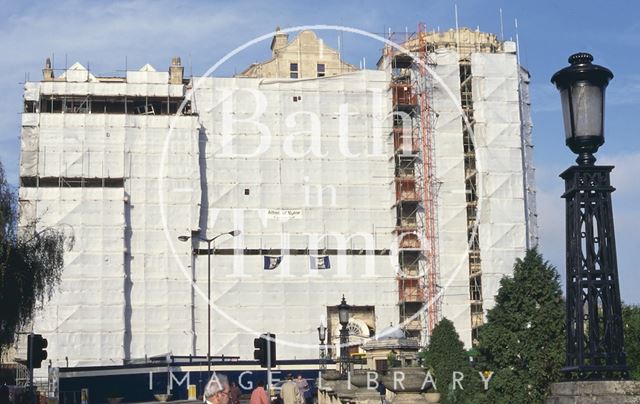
(108, 36)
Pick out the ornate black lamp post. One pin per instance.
(322, 334)
(595, 344)
(343, 317)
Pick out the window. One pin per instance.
(293, 68)
(382, 366)
(321, 72)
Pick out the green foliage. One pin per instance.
(392, 359)
(631, 319)
(523, 338)
(31, 264)
(446, 354)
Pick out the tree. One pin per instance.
(446, 354)
(631, 319)
(523, 339)
(31, 261)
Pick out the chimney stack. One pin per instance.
(176, 71)
(47, 72)
(279, 41)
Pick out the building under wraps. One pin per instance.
(408, 189)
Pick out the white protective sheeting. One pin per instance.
(499, 163)
(134, 297)
(77, 73)
(293, 164)
(527, 152)
(308, 155)
(112, 89)
(160, 295)
(452, 219)
(84, 321)
(147, 75)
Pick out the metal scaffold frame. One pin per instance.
(429, 189)
(411, 86)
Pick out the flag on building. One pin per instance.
(271, 262)
(319, 262)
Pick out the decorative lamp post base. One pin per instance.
(595, 340)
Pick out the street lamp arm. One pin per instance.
(232, 233)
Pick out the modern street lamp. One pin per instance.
(322, 334)
(209, 242)
(343, 318)
(595, 342)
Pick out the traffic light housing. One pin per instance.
(36, 350)
(261, 351)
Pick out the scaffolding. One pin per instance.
(430, 185)
(416, 185)
(471, 191)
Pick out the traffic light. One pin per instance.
(36, 350)
(261, 351)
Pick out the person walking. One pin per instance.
(290, 393)
(305, 391)
(382, 390)
(259, 395)
(302, 384)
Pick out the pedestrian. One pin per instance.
(290, 393)
(217, 390)
(302, 384)
(382, 390)
(305, 391)
(234, 394)
(259, 395)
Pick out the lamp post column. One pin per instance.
(323, 356)
(209, 308)
(344, 354)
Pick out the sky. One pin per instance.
(110, 37)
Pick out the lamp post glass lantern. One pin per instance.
(322, 334)
(209, 242)
(343, 312)
(582, 88)
(322, 331)
(594, 328)
(343, 318)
